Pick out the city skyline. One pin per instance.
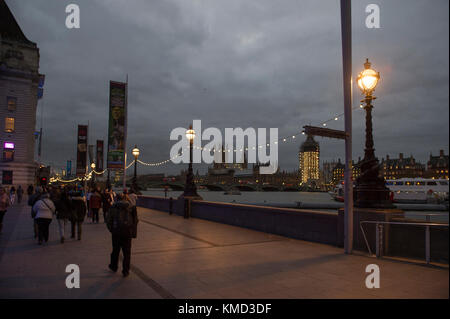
(174, 52)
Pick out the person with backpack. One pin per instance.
(121, 221)
(4, 204)
(95, 203)
(44, 210)
(78, 209)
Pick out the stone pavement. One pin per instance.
(192, 258)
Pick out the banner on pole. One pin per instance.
(82, 150)
(40, 92)
(99, 156)
(117, 124)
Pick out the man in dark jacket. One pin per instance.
(78, 209)
(121, 221)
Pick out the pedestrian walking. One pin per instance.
(4, 204)
(32, 199)
(88, 202)
(107, 202)
(12, 195)
(30, 190)
(121, 221)
(95, 203)
(63, 213)
(132, 198)
(19, 194)
(78, 209)
(44, 210)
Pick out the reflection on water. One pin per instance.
(284, 198)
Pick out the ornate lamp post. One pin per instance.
(135, 153)
(370, 188)
(93, 174)
(190, 190)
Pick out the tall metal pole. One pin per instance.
(125, 137)
(346, 31)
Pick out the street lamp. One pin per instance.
(135, 153)
(93, 174)
(370, 188)
(190, 190)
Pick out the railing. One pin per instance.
(379, 235)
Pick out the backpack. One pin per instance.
(121, 220)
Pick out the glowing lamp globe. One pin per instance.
(368, 79)
(135, 152)
(190, 134)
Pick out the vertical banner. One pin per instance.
(40, 92)
(99, 156)
(69, 168)
(117, 125)
(82, 150)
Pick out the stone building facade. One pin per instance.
(19, 77)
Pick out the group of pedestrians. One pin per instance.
(72, 205)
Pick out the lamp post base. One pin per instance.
(371, 191)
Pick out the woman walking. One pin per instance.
(4, 204)
(12, 195)
(44, 209)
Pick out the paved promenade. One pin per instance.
(178, 258)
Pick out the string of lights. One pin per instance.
(154, 164)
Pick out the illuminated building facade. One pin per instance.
(401, 167)
(19, 79)
(437, 166)
(309, 159)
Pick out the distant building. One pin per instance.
(308, 157)
(401, 167)
(327, 171)
(19, 78)
(437, 166)
(339, 169)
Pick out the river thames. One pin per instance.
(264, 198)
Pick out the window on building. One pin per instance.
(7, 177)
(9, 124)
(431, 183)
(12, 103)
(8, 151)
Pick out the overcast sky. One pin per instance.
(239, 63)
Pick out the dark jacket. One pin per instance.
(95, 201)
(32, 200)
(122, 220)
(63, 208)
(78, 209)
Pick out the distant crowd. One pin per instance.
(72, 204)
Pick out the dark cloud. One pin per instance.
(236, 63)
